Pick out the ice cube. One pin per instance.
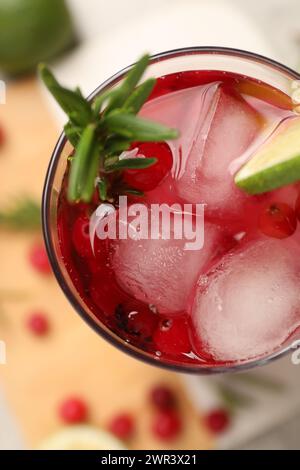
(216, 127)
(228, 129)
(249, 304)
(162, 272)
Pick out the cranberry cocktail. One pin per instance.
(233, 299)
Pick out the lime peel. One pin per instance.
(276, 163)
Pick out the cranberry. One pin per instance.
(73, 411)
(172, 336)
(148, 178)
(122, 426)
(162, 397)
(81, 236)
(39, 259)
(38, 323)
(136, 319)
(166, 425)
(278, 220)
(217, 420)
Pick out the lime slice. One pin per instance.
(82, 438)
(276, 163)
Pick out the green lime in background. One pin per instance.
(32, 31)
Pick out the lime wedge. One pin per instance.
(81, 438)
(276, 163)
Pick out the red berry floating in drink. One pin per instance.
(148, 178)
(81, 236)
(278, 220)
(136, 319)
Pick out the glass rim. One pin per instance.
(111, 337)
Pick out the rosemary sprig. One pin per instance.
(24, 215)
(102, 130)
(130, 163)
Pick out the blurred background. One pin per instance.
(58, 373)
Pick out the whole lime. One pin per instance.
(32, 31)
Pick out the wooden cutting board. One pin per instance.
(72, 359)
